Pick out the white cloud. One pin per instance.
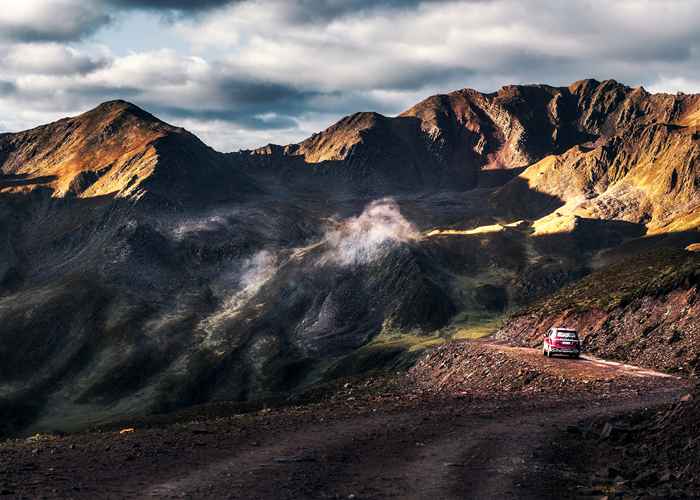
(46, 20)
(392, 50)
(49, 58)
(672, 85)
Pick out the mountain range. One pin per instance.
(142, 271)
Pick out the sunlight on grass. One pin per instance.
(407, 341)
(475, 326)
(398, 350)
(467, 325)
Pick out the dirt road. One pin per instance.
(586, 367)
(398, 444)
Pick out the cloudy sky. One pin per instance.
(242, 73)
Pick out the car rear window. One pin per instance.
(566, 334)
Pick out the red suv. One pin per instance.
(561, 341)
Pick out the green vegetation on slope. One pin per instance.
(649, 273)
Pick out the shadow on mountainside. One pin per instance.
(391, 156)
(113, 309)
(24, 180)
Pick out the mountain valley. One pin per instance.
(144, 273)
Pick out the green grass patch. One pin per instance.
(373, 358)
(392, 349)
(477, 327)
(647, 274)
(407, 341)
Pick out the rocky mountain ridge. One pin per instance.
(604, 150)
(578, 141)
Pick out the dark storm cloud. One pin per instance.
(250, 104)
(303, 10)
(7, 88)
(82, 25)
(422, 75)
(323, 10)
(179, 5)
(266, 94)
(243, 118)
(100, 93)
(669, 51)
(46, 34)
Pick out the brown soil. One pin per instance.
(405, 437)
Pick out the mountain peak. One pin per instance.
(115, 149)
(114, 109)
(117, 104)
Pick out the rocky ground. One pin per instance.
(471, 419)
(654, 450)
(500, 370)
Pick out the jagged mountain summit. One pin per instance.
(604, 149)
